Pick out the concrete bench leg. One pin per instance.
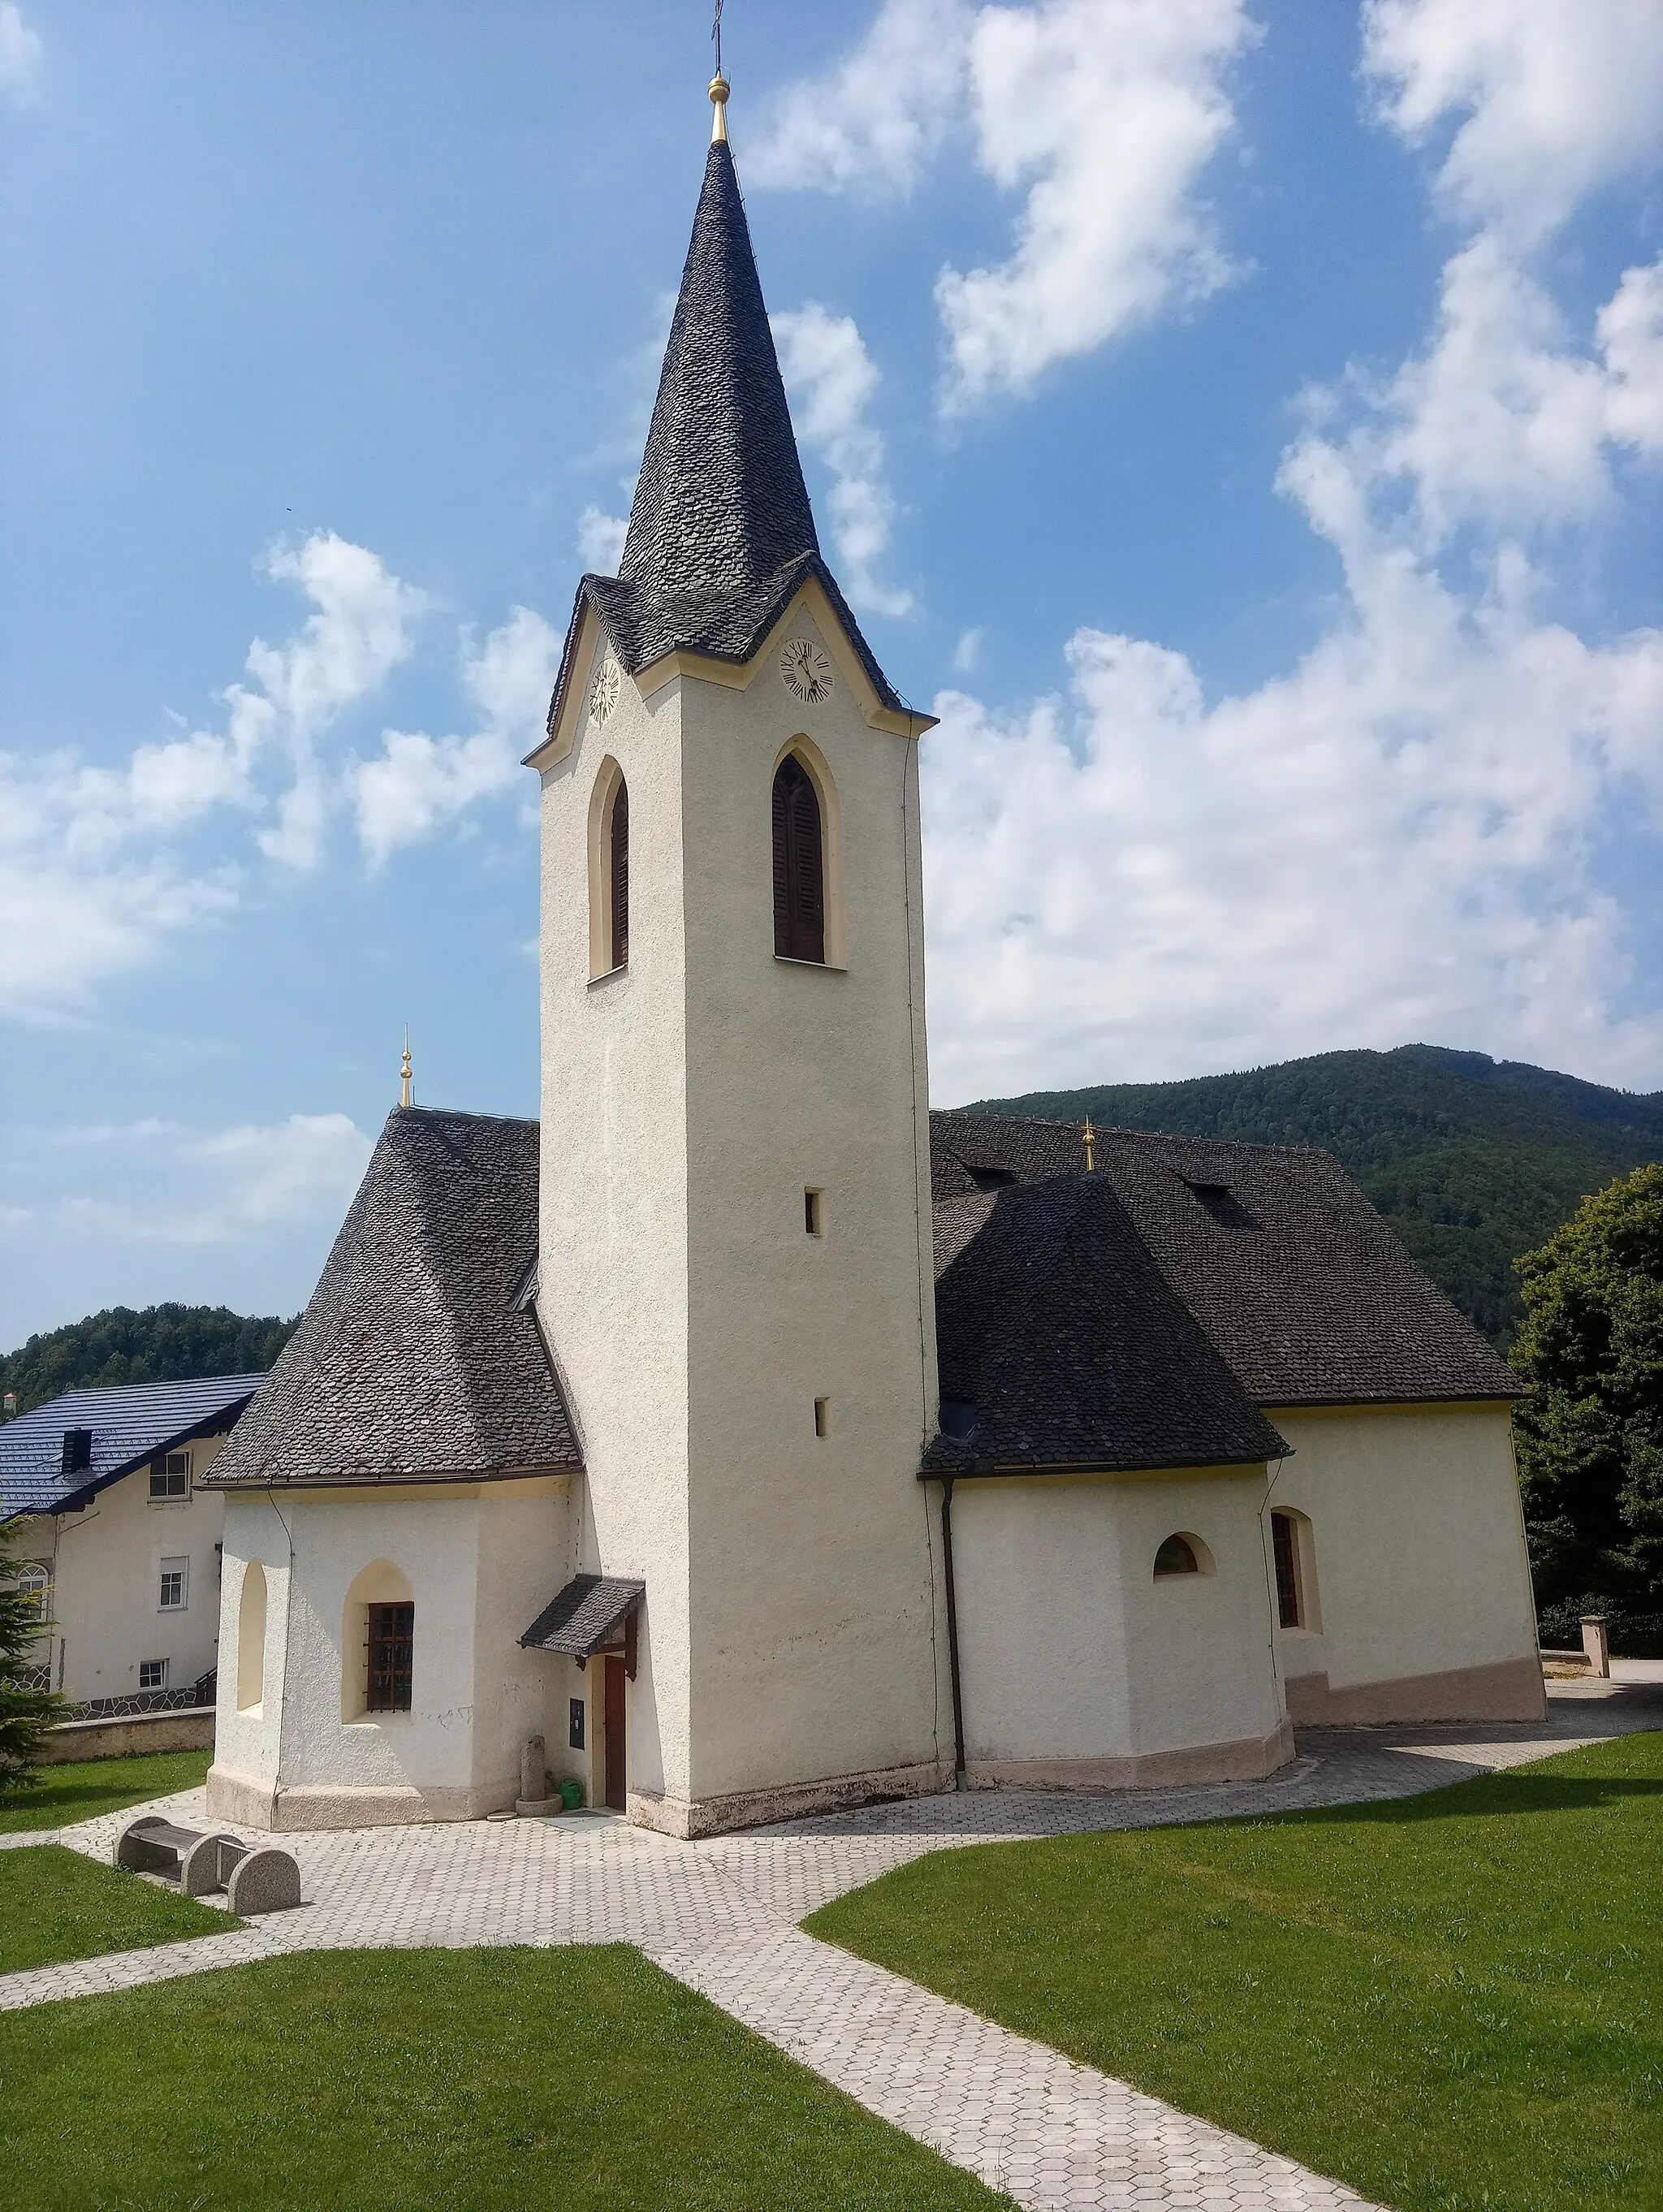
(201, 1869)
(267, 1881)
(135, 1851)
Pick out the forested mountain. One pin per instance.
(1472, 1161)
(162, 1344)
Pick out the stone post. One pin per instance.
(533, 1771)
(1596, 1641)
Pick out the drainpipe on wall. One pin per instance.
(952, 1630)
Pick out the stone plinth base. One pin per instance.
(1248, 1759)
(1511, 1690)
(245, 1800)
(750, 1808)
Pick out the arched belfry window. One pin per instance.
(799, 889)
(618, 874)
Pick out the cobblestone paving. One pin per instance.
(721, 1917)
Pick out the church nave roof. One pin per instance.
(419, 1357)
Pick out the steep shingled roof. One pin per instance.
(721, 532)
(130, 1424)
(1294, 1277)
(720, 506)
(1060, 1344)
(419, 1357)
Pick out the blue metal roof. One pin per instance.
(129, 1426)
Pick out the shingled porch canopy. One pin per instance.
(586, 1616)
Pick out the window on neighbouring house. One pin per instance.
(799, 899)
(814, 1212)
(34, 1583)
(1176, 1557)
(392, 1656)
(174, 1575)
(1284, 1547)
(171, 1477)
(153, 1674)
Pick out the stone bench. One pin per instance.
(256, 1878)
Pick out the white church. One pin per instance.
(761, 1441)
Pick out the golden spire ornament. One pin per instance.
(1090, 1136)
(404, 1096)
(719, 87)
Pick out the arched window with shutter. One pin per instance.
(799, 899)
(618, 832)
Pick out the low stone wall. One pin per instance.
(118, 1738)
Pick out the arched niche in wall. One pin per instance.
(251, 1640)
(379, 1584)
(813, 764)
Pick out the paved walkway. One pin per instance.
(721, 1916)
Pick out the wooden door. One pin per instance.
(617, 1784)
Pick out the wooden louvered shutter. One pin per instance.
(782, 864)
(799, 923)
(621, 876)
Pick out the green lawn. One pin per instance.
(465, 2079)
(77, 1792)
(1453, 2002)
(55, 1904)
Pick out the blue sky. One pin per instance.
(1241, 424)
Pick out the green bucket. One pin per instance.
(571, 1795)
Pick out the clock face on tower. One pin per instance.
(603, 691)
(806, 670)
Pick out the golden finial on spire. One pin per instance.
(404, 1097)
(1090, 1137)
(719, 86)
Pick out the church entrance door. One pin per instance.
(616, 1785)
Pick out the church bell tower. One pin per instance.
(735, 1253)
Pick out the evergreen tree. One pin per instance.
(25, 1713)
(157, 1344)
(1590, 1431)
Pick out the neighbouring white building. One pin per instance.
(119, 1541)
(757, 1439)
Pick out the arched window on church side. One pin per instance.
(799, 903)
(620, 873)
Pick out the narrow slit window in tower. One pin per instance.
(822, 1417)
(814, 1212)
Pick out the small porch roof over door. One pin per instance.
(585, 1616)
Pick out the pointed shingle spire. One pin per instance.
(721, 506)
(720, 531)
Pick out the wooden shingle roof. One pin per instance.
(419, 1357)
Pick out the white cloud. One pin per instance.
(20, 54)
(600, 541)
(101, 867)
(1107, 111)
(1389, 843)
(882, 112)
(1397, 838)
(419, 783)
(1559, 97)
(1505, 419)
(218, 1186)
(967, 653)
(831, 378)
(1103, 114)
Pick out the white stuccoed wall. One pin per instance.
(481, 1560)
(1078, 1667)
(687, 1104)
(1415, 1548)
(106, 1582)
